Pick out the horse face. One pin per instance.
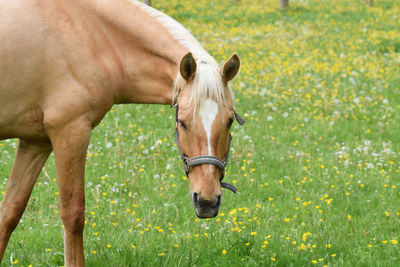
(203, 126)
(205, 135)
(204, 116)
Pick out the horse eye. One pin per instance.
(230, 122)
(183, 124)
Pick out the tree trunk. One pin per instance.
(369, 2)
(284, 3)
(148, 2)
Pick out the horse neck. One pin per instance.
(149, 56)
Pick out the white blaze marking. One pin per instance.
(208, 112)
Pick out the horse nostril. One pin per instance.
(204, 203)
(195, 197)
(218, 200)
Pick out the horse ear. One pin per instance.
(231, 68)
(188, 66)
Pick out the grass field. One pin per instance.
(317, 164)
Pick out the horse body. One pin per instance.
(66, 57)
(63, 64)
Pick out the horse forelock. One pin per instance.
(207, 85)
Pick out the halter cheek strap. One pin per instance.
(188, 163)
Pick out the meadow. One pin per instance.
(317, 164)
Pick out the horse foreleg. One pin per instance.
(29, 160)
(70, 145)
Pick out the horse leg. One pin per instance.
(70, 144)
(29, 160)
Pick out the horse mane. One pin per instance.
(207, 83)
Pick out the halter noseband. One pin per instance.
(188, 162)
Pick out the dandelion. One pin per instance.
(223, 252)
(302, 247)
(305, 235)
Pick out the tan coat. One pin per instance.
(63, 64)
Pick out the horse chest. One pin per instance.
(27, 125)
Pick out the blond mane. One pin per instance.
(208, 82)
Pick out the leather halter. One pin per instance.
(188, 162)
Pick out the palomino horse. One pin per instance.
(64, 63)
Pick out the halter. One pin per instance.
(188, 162)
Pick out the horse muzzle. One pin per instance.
(206, 208)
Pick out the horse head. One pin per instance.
(204, 115)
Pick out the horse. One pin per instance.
(65, 63)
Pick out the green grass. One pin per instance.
(317, 164)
